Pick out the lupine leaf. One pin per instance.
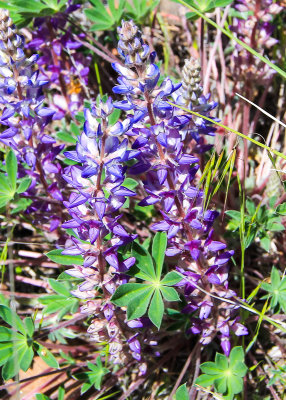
(59, 258)
(182, 393)
(46, 356)
(158, 251)
(138, 305)
(24, 185)
(156, 309)
(11, 318)
(125, 293)
(27, 358)
(171, 278)
(12, 168)
(144, 260)
(169, 293)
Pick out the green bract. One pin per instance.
(140, 297)
(226, 374)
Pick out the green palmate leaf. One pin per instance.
(169, 293)
(182, 393)
(60, 287)
(12, 169)
(225, 374)
(24, 185)
(205, 380)
(12, 365)
(27, 358)
(156, 309)
(93, 377)
(4, 184)
(158, 251)
(46, 355)
(221, 361)
(171, 278)
(144, 261)
(6, 352)
(277, 290)
(281, 209)
(30, 327)
(11, 318)
(59, 258)
(125, 293)
(211, 368)
(138, 305)
(4, 200)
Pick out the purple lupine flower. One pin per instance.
(61, 62)
(24, 118)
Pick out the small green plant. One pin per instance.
(225, 374)
(107, 18)
(261, 222)
(276, 291)
(138, 297)
(62, 302)
(23, 11)
(17, 344)
(92, 377)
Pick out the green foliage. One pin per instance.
(140, 297)
(105, 18)
(259, 222)
(59, 258)
(226, 374)
(93, 377)
(62, 302)
(205, 6)
(182, 393)
(276, 290)
(138, 10)
(17, 345)
(10, 187)
(23, 11)
(278, 375)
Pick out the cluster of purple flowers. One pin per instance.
(61, 63)
(164, 137)
(163, 145)
(24, 118)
